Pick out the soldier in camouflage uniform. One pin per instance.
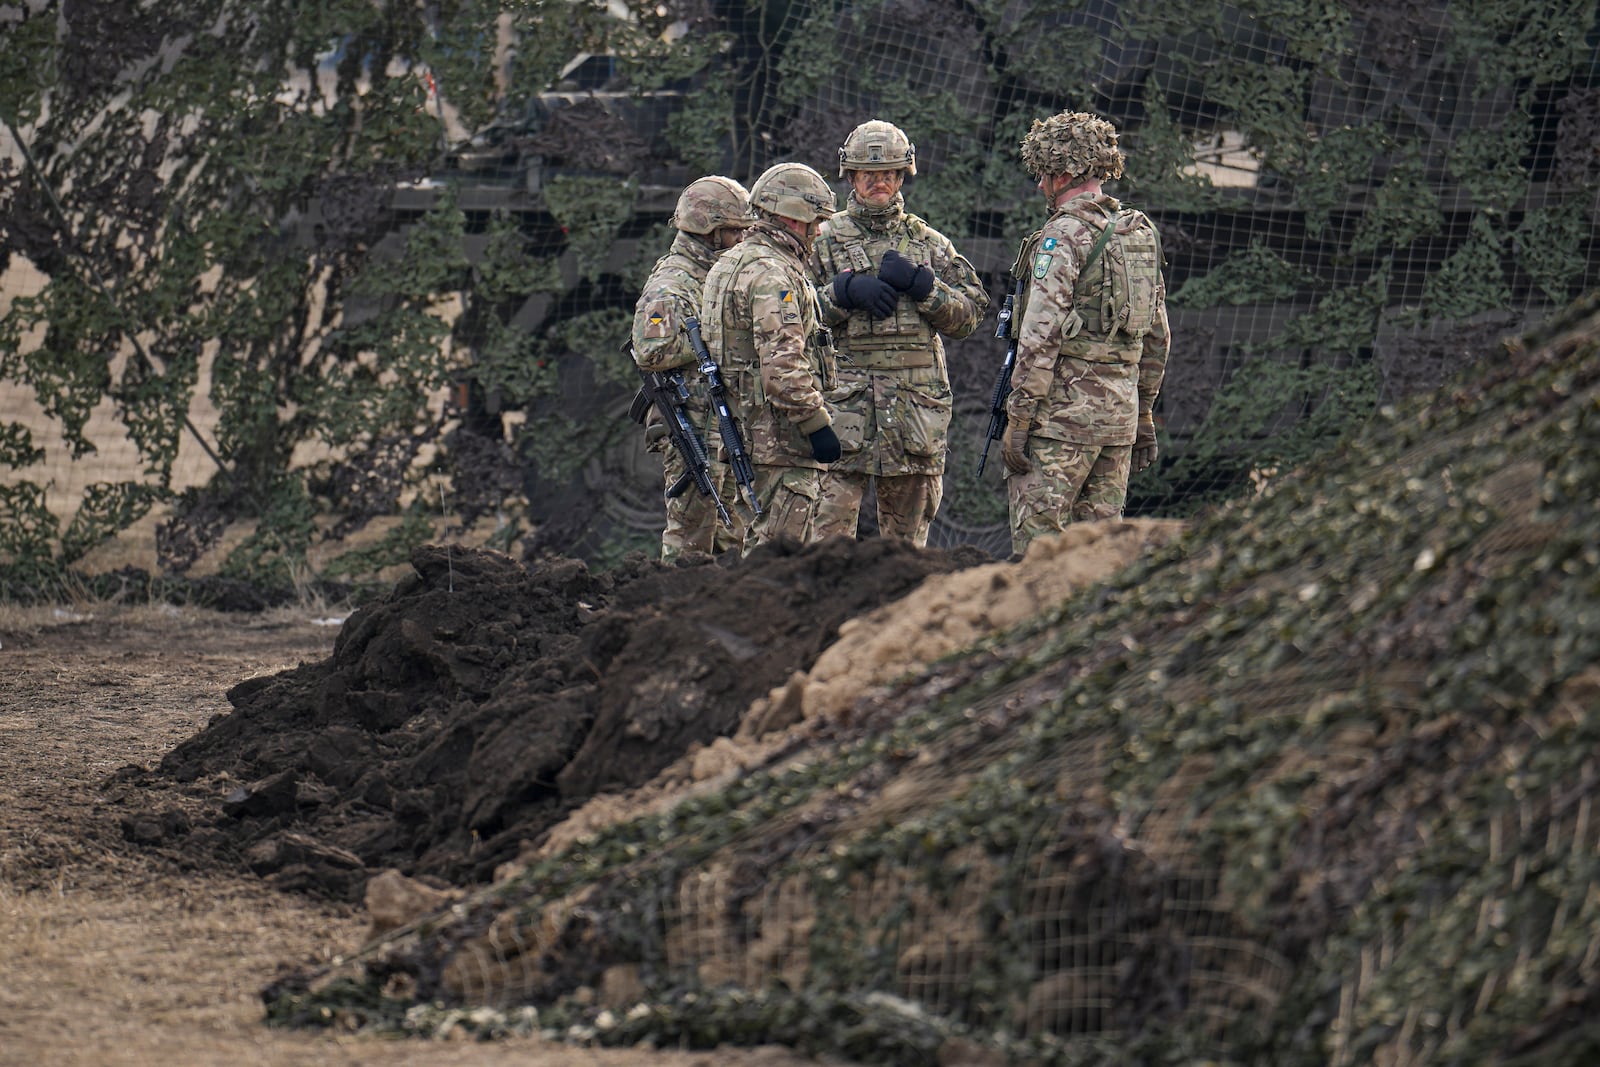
(760, 321)
(1092, 337)
(711, 217)
(890, 284)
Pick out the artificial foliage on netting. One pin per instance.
(175, 149)
(235, 187)
(29, 529)
(1251, 275)
(1315, 784)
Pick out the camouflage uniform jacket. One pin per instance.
(759, 320)
(892, 406)
(1088, 379)
(670, 295)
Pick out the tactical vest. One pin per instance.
(731, 339)
(738, 340)
(1117, 291)
(904, 339)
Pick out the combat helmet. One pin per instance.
(793, 191)
(1074, 143)
(708, 204)
(877, 145)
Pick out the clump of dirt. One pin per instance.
(468, 711)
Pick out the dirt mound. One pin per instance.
(480, 701)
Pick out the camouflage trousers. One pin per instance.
(788, 499)
(692, 521)
(907, 504)
(1069, 483)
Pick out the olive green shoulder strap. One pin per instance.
(912, 227)
(1100, 245)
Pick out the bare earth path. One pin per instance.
(110, 956)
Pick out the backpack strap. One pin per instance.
(1107, 304)
(1100, 245)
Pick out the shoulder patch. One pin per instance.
(1049, 243)
(659, 323)
(1041, 264)
(789, 305)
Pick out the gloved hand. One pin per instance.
(913, 279)
(1014, 442)
(874, 295)
(1144, 443)
(825, 445)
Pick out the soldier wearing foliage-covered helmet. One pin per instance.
(1092, 337)
(760, 322)
(890, 285)
(711, 217)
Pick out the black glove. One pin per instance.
(825, 445)
(852, 290)
(913, 279)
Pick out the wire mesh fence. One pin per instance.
(280, 322)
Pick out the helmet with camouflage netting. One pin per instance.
(711, 203)
(793, 191)
(877, 145)
(1074, 143)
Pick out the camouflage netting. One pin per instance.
(1313, 785)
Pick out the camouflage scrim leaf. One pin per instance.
(107, 509)
(1324, 176)
(17, 447)
(1511, 41)
(1488, 162)
(1257, 275)
(1472, 280)
(1401, 210)
(28, 529)
(1343, 323)
(590, 211)
(1549, 246)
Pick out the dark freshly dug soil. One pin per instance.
(481, 700)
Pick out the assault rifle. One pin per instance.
(668, 393)
(1002, 382)
(738, 458)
